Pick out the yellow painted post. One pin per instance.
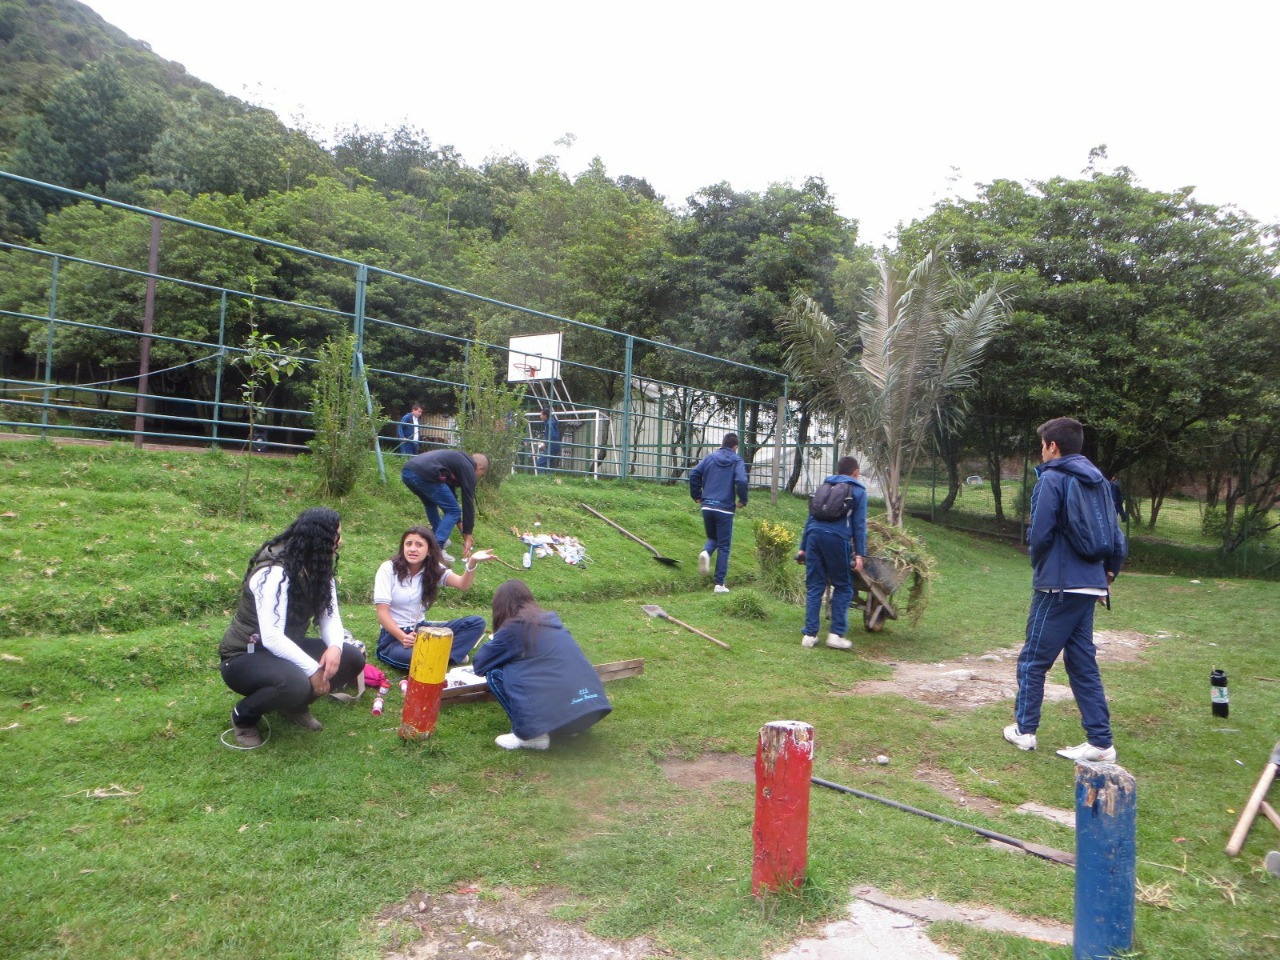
(426, 682)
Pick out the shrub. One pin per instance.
(746, 605)
(345, 428)
(775, 552)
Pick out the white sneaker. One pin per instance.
(704, 563)
(721, 588)
(1023, 741)
(808, 641)
(1089, 753)
(448, 558)
(837, 642)
(509, 741)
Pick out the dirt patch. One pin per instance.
(978, 680)
(945, 782)
(709, 770)
(496, 925)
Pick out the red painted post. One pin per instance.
(784, 763)
(426, 682)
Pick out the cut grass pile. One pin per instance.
(129, 831)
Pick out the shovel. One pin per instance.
(669, 561)
(653, 610)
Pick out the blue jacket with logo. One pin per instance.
(717, 479)
(1054, 565)
(854, 525)
(547, 682)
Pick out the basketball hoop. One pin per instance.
(530, 370)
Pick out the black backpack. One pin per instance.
(1089, 521)
(831, 501)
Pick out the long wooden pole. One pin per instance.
(1236, 843)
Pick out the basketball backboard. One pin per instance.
(534, 357)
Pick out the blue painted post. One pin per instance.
(1106, 860)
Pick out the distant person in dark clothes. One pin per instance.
(1117, 497)
(434, 476)
(715, 483)
(409, 430)
(403, 593)
(550, 456)
(537, 672)
(831, 550)
(266, 654)
(1066, 588)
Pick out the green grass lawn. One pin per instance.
(129, 831)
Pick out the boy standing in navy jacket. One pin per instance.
(1066, 588)
(714, 483)
(830, 551)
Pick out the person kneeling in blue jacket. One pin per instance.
(537, 672)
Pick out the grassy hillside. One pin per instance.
(133, 833)
(43, 41)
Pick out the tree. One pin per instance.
(574, 250)
(264, 362)
(1135, 313)
(248, 152)
(735, 259)
(902, 372)
(106, 122)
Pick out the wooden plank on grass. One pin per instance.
(618, 670)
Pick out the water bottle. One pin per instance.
(378, 701)
(1218, 687)
(404, 685)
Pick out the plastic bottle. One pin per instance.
(378, 701)
(1218, 688)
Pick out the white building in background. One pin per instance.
(671, 428)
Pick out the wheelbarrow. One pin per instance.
(878, 579)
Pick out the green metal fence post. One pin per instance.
(624, 462)
(48, 350)
(222, 352)
(662, 416)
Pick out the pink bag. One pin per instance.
(373, 677)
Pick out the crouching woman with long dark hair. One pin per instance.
(266, 654)
(537, 672)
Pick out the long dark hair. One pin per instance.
(513, 603)
(431, 564)
(306, 551)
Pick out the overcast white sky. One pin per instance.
(896, 105)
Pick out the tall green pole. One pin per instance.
(222, 352)
(48, 347)
(624, 465)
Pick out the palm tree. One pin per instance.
(902, 371)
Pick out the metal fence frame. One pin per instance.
(641, 430)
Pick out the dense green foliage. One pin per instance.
(131, 832)
(1140, 311)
